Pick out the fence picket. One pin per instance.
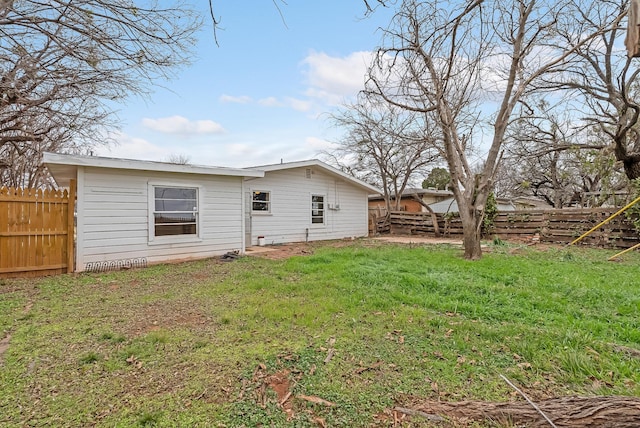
(36, 232)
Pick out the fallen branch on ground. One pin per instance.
(529, 401)
(568, 412)
(316, 400)
(329, 355)
(411, 412)
(371, 367)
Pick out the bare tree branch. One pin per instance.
(64, 63)
(384, 145)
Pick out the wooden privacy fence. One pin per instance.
(36, 231)
(553, 226)
(378, 224)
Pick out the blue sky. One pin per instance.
(261, 96)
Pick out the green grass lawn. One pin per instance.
(198, 344)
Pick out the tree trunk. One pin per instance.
(568, 412)
(631, 161)
(471, 227)
(632, 167)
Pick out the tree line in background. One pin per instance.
(513, 96)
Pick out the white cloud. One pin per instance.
(182, 126)
(244, 99)
(128, 147)
(270, 102)
(238, 149)
(299, 105)
(294, 103)
(315, 143)
(332, 79)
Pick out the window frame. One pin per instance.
(323, 209)
(268, 202)
(161, 239)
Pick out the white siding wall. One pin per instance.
(290, 216)
(113, 216)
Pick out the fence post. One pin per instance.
(71, 205)
(546, 225)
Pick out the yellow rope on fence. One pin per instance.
(635, 201)
(622, 252)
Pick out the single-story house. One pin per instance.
(408, 200)
(305, 201)
(134, 213)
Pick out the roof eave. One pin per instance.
(64, 167)
(320, 164)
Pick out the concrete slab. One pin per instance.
(412, 239)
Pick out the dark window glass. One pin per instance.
(317, 209)
(176, 211)
(261, 201)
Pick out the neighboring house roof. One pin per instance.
(318, 164)
(447, 206)
(451, 206)
(531, 202)
(410, 191)
(64, 167)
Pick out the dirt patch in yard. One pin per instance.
(166, 316)
(419, 240)
(4, 345)
(284, 251)
(282, 383)
(279, 252)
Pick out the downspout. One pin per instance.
(243, 221)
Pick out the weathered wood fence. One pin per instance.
(552, 226)
(36, 231)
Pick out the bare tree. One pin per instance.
(467, 63)
(179, 159)
(553, 156)
(63, 65)
(606, 79)
(21, 164)
(384, 145)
